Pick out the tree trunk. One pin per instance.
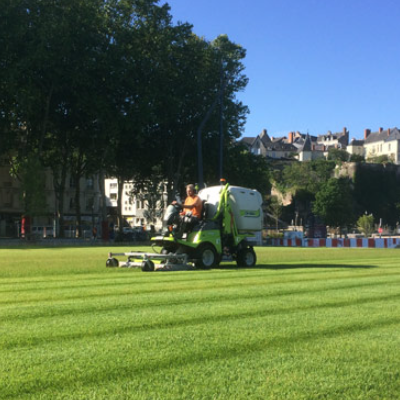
(78, 214)
(119, 207)
(59, 190)
(103, 206)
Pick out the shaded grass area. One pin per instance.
(303, 324)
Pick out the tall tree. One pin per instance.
(246, 169)
(137, 35)
(334, 202)
(50, 61)
(191, 85)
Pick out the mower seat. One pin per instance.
(208, 211)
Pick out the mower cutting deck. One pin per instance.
(143, 260)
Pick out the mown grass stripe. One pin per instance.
(142, 369)
(204, 319)
(131, 299)
(55, 297)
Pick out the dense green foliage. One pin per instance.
(303, 180)
(338, 155)
(306, 176)
(305, 324)
(334, 202)
(115, 87)
(377, 192)
(315, 186)
(245, 169)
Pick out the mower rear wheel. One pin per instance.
(246, 258)
(112, 262)
(148, 266)
(206, 257)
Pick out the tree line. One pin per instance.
(115, 88)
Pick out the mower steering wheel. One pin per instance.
(178, 206)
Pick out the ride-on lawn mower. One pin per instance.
(230, 218)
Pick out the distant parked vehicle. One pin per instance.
(315, 228)
(140, 233)
(42, 231)
(136, 233)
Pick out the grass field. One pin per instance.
(304, 324)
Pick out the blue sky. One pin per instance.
(313, 65)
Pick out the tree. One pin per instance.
(334, 202)
(50, 78)
(377, 191)
(33, 186)
(275, 209)
(152, 193)
(190, 89)
(307, 176)
(303, 180)
(246, 169)
(382, 159)
(357, 158)
(338, 155)
(366, 224)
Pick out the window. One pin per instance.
(8, 199)
(113, 186)
(113, 196)
(89, 204)
(89, 183)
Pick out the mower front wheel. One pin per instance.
(112, 262)
(246, 258)
(206, 257)
(147, 266)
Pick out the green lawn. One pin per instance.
(304, 324)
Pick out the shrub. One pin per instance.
(366, 224)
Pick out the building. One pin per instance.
(91, 206)
(296, 145)
(356, 147)
(275, 148)
(305, 147)
(133, 206)
(310, 150)
(12, 207)
(338, 140)
(382, 143)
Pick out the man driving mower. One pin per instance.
(191, 209)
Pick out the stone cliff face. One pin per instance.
(349, 169)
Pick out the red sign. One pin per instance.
(380, 230)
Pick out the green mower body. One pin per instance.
(218, 236)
